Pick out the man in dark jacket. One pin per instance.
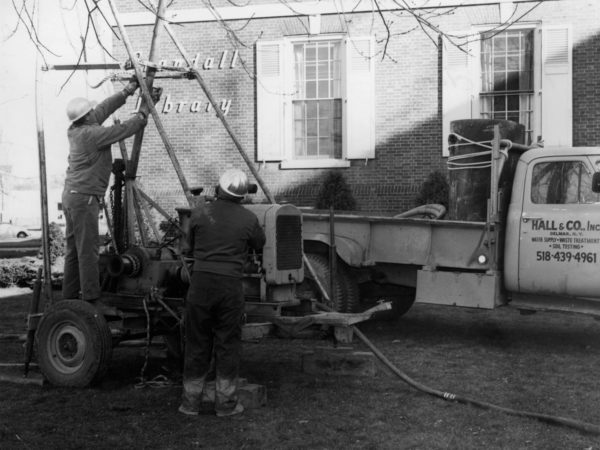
(90, 163)
(221, 234)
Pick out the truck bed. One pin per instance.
(364, 240)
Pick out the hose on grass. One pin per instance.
(448, 396)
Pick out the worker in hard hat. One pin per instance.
(88, 173)
(221, 234)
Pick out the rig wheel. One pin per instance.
(346, 289)
(74, 344)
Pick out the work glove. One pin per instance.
(155, 95)
(131, 87)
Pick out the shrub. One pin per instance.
(56, 238)
(16, 273)
(335, 192)
(435, 189)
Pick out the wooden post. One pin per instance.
(132, 165)
(146, 95)
(220, 114)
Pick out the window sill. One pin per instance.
(314, 163)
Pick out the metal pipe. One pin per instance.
(47, 291)
(220, 115)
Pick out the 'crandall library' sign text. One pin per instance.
(168, 105)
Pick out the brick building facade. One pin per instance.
(297, 130)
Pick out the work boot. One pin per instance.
(239, 408)
(187, 410)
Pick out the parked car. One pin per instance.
(8, 230)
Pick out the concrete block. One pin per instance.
(252, 395)
(336, 362)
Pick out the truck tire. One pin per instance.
(346, 290)
(74, 344)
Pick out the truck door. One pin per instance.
(559, 245)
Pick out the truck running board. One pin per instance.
(525, 302)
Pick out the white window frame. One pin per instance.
(275, 89)
(289, 161)
(536, 119)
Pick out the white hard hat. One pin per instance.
(79, 107)
(234, 182)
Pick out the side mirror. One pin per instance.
(596, 182)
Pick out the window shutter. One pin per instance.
(557, 88)
(359, 111)
(269, 100)
(458, 85)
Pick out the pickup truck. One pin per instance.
(537, 249)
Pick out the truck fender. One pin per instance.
(348, 250)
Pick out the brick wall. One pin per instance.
(408, 104)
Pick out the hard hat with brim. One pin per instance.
(234, 182)
(79, 107)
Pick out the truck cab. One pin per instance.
(552, 246)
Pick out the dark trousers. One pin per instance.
(81, 259)
(213, 325)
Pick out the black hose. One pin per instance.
(553, 420)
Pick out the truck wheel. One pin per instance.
(74, 344)
(346, 290)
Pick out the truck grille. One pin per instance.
(288, 231)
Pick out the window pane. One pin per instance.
(324, 52)
(312, 147)
(499, 103)
(337, 108)
(311, 110)
(310, 53)
(512, 81)
(513, 62)
(513, 43)
(325, 127)
(325, 110)
(499, 43)
(326, 147)
(312, 128)
(311, 89)
(323, 91)
(513, 102)
(499, 81)
(311, 72)
(323, 70)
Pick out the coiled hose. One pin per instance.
(448, 396)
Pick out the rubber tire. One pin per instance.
(346, 290)
(21, 234)
(78, 325)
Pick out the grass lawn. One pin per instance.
(545, 363)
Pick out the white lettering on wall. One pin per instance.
(209, 62)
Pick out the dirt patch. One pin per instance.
(544, 363)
